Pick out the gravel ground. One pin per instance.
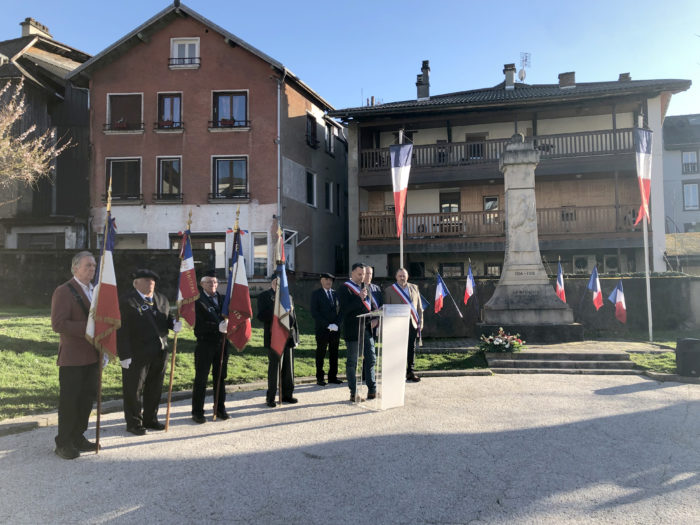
(500, 449)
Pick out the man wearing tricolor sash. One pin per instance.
(354, 300)
(403, 292)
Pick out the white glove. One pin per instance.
(177, 326)
(223, 326)
(333, 327)
(125, 363)
(105, 360)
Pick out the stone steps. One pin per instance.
(603, 363)
(568, 363)
(580, 371)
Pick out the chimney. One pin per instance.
(567, 80)
(32, 27)
(423, 81)
(624, 77)
(509, 71)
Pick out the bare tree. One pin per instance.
(25, 156)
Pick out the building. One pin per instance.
(681, 173)
(186, 116)
(54, 214)
(587, 194)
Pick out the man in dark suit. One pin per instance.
(210, 330)
(78, 360)
(142, 345)
(324, 310)
(266, 311)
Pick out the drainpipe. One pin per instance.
(279, 146)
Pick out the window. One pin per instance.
(41, 241)
(452, 269)
(230, 110)
(260, 254)
(568, 213)
(490, 210)
(230, 178)
(311, 139)
(449, 202)
(330, 139)
(690, 162)
(126, 178)
(124, 112)
(169, 178)
(169, 111)
(184, 53)
(310, 188)
(690, 196)
(492, 269)
(328, 204)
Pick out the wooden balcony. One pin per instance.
(582, 144)
(567, 220)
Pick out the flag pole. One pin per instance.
(453, 299)
(102, 265)
(177, 318)
(402, 224)
(646, 274)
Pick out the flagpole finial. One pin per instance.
(238, 213)
(109, 195)
(189, 220)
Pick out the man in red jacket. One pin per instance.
(78, 360)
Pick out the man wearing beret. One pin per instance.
(324, 310)
(142, 345)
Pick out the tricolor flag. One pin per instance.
(618, 297)
(594, 286)
(105, 318)
(559, 288)
(440, 293)
(237, 300)
(642, 146)
(469, 290)
(187, 291)
(281, 326)
(400, 167)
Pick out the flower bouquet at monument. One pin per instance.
(501, 342)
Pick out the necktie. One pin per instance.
(330, 296)
(213, 300)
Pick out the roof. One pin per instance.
(682, 130)
(522, 94)
(682, 244)
(160, 20)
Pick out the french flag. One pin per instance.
(440, 293)
(400, 167)
(187, 291)
(642, 145)
(105, 318)
(469, 290)
(618, 298)
(281, 326)
(237, 300)
(594, 286)
(559, 288)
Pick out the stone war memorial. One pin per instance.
(524, 300)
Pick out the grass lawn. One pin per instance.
(29, 375)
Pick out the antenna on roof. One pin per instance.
(524, 62)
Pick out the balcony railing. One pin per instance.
(184, 61)
(550, 221)
(229, 195)
(229, 123)
(123, 125)
(168, 197)
(169, 125)
(587, 143)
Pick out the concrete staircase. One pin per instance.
(554, 362)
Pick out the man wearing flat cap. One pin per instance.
(142, 345)
(324, 310)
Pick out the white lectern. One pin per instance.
(390, 347)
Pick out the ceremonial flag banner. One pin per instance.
(187, 291)
(440, 293)
(424, 303)
(642, 146)
(279, 332)
(469, 291)
(104, 318)
(618, 298)
(594, 286)
(559, 288)
(400, 167)
(237, 301)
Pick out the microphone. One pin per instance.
(362, 285)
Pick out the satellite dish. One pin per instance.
(521, 74)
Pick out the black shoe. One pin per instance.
(321, 383)
(335, 381)
(291, 400)
(223, 415)
(356, 398)
(137, 431)
(154, 425)
(372, 396)
(413, 377)
(83, 445)
(67, 452)
(271, 404)
(198, 419)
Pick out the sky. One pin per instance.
(348, 51)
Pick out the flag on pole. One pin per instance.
(469, 291)
(281, 323)
(642, 146)
(400, 167)
(105, 318)
(440, 293)
(594, 286)
(187, 291)
(424, 303)
(559, 288)
(237, 300)
(618, 298)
